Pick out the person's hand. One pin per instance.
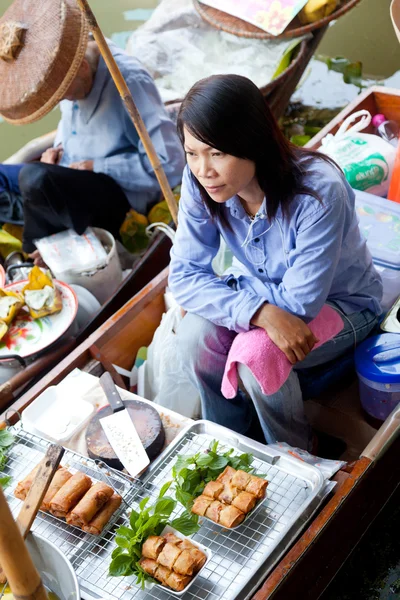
(289, 333)
(52, 156)
(37, 259)
(82, 165)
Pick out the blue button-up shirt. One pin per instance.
(99, 128)
(296, 262)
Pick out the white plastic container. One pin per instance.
(379, 221)
(55, 415)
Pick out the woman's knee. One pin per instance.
(33, 178)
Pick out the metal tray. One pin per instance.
(240, 558)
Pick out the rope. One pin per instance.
(11, 40)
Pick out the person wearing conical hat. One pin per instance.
(98, 168)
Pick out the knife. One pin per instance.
(121, 432)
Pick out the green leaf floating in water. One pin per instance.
(351, 71)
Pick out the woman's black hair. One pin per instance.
(230, 114)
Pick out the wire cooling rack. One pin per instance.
(240, 557)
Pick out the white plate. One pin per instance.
(27, 336)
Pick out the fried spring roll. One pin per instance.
(185, 563)
(228, 493)
(213, 489)
(245, 502)
(177, 582)
(162, 574)
(214, 510)
(200, 505)
(172, 538)
(96, 525)
(148, 565)
(90, 504)
(23, 486)
(70, 494)
(60, 477)
(226, 475)
(257, 486)
(230, 516)
(168, 555)
(240, 479)
(199, 558)
(153, 546)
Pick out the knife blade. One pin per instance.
(121, 431)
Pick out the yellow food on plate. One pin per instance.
(10, 304)
(41, 296)
(315, 10)
(3, 329)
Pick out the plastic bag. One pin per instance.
(367, 160)
(166, 382)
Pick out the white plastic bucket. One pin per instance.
(102, 283)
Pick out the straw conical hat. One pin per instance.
(395, 14)
(42, 44)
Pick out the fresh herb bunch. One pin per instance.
(192, 473)
(6, 440)
(149, 520)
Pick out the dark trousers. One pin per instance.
(57, 198)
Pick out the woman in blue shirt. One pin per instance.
(287, 214)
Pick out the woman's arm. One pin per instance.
(192, 280)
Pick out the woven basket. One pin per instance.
(42, 45)
(230, 24)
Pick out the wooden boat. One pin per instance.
(363, 486)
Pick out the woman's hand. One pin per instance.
(288, 332)
(52, 156)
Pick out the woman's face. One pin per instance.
(222, 175)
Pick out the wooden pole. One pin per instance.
(21, 573)
(131, 107)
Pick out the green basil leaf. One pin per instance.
(164, 506)
(122, 541)
(4, 481)
(143, 503)
(187, 524)
(165, 489)
(125, 532)
(121, 566)
(219, 463)
(6, 438)
(183, 497)
(117, 551)
(133, 517)
(204, 460)
(214, 446)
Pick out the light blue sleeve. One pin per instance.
(306, 284)
(133, 170)
(192, 280)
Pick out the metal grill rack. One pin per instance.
(240, 557)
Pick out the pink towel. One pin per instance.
(267, 363)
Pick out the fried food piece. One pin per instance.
(96, 525)
(60, 477)
(70, 494)
(172, 538)
(40, 294)
(10, 305)
(214, 510)
(200, 505)
(226, 475)
(23, 486)
(230, 516)
(162, 574)
(168, 555)
(228, 494)
(257, 486)
(148, 565)
(240, 479)
(177, 582)
(90, 504)
(213, 489)
(245, 502)
(185, 563)
(153, 546)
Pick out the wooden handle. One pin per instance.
(131, 108)
(21, 573)
(8, 388)
(36, 493)
(384, 437)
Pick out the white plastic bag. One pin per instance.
(166, 382)
(367, 160)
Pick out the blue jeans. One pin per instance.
(204, 349)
